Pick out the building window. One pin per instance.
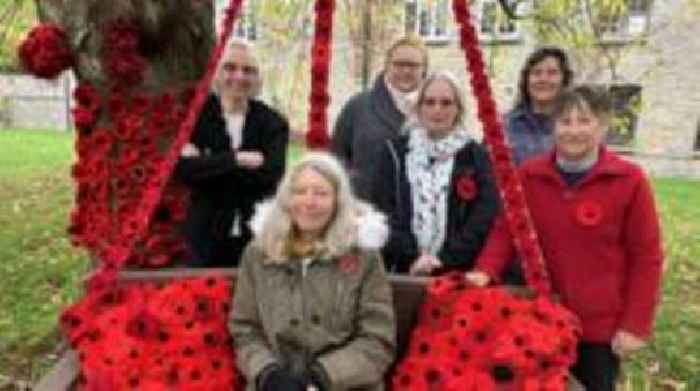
(696, 145)
(246, 25)
(494, 24)
(626, 23)
(626, 102)
(429, 19)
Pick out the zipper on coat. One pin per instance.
(305, 263)
(397, 185)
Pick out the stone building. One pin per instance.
(656, 79)
(653, 78)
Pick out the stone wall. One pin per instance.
(30, 103)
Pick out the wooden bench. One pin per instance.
(408, 295)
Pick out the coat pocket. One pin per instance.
(346, 307)
(596, 298)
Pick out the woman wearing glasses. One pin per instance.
(236, 157)
(435, 185)
(371, 117)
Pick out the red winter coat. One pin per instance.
(601, 243)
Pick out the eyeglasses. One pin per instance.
(406, 64)
(233, 67)
(431, 102)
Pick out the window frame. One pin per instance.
(496, 36)
(623, 96)
(621, 31)
(415, 23)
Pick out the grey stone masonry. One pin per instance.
(27, 102)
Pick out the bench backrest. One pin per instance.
(408, 292)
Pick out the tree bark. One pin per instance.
(178, 36)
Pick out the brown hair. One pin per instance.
(413, 41)
(535, 58)
(596, 99)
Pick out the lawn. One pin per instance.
(41, 272)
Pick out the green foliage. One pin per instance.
(290, 25)
(16, 18)
(593, 31)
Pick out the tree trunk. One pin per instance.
(144, 55)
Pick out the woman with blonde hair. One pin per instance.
(235, 159)
(371, 117)
(313, 307)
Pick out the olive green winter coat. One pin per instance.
(335, 312)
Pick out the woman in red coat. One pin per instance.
(599, 232)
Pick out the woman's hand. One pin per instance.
(424, 265)
(250, 159)
(625, 343)
(477, 278)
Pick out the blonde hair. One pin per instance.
(273, 226)
(233, 44)
(413, 41)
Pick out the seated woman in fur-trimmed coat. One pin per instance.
(313, 307)
(435, 185)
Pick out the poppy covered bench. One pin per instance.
(408, 295)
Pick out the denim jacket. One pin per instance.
(528, 134)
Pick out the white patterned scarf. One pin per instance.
(429, 166)
(404, 101)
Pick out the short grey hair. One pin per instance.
(273, 225)
(457, 91)
(247, 46)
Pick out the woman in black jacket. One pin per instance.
(235, 159)
(435, 185)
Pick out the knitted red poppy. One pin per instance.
(589, 213)
(45, 52)
(466, 188)
(349, 264)
(317, 134)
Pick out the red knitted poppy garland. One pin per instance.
(127, 212)
(321, 49)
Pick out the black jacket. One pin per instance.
(365, 122)
(468, 222)
(220, 189)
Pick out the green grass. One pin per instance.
(672, 360)
(41, 272)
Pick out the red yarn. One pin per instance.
(317, 134)
(45, 52)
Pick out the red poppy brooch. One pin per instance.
(589, 213)
(466, 188)
(349, 264)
